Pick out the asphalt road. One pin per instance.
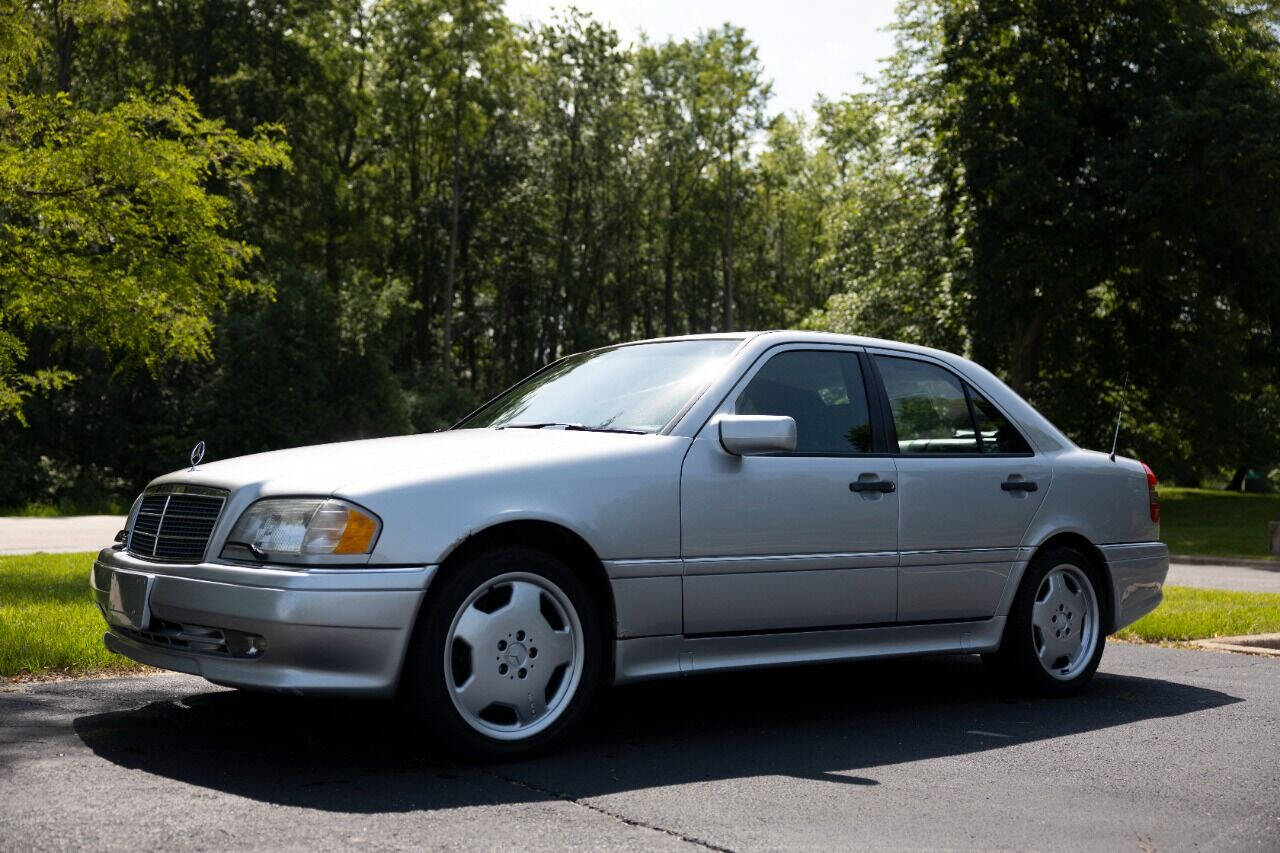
(58, 535)
(1224, 577)
(1172, 750)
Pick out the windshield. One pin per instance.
(635, 388)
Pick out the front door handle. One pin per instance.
(873, 486)
(1019, 485)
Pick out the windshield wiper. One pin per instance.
(572, 427)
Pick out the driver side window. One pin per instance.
(822, 391)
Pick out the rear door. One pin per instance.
(969, 485)
(793, 540)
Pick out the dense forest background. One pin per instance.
(265, 223)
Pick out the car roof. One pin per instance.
(802, 336)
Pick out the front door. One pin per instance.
(798, 540)
(968, 486)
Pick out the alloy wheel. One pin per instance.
(1064, 622)
(513, 657)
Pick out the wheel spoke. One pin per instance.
(475, 627)
(1049, 589)
(525, 603)
(1049, 653)
(474, 695)
(1042, 615)
(531, 704)
(554, 648)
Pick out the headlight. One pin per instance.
(302, 530)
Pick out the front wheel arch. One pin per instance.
(559, 542)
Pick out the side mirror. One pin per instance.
(751, 435)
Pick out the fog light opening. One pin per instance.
(243, 645)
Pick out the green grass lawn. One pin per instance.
(1215, 523)
(1197, 614)
(48, 622)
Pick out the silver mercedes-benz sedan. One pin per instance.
(673, 506)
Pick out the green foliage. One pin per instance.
(109, 234)
(1070, 193)
(887, 244)
(1109, 171)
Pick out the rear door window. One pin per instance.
(995, 431)
(929, 407)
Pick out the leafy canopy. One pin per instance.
(113, 223)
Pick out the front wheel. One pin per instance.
(1054, 638)
(506, 656)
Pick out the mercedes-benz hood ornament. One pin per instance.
(197, 453)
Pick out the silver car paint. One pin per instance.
(622, 494)
(959, 531)
(780, 542)
(328, 631)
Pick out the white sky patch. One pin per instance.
(807, 47)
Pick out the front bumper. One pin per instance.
(330, 631)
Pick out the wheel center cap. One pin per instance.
(516, 654)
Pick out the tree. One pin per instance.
(1074, 151)
(113, 224)
(888, 256)
(730, 101)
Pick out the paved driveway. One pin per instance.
(58, 535)
(1225, 577)
(1172, 750)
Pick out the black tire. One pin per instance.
(426, 694)
(1017, 664)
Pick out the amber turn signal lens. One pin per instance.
(358, 534)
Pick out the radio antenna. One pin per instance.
(1115, 439)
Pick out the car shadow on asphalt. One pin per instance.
(838, 723)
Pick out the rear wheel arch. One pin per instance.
(1093, 553)
(560, 542)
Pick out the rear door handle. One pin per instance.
(873, 486)
(1019, 485)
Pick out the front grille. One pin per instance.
(174, 523)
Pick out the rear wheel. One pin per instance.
(506, 656)
(1054, 638)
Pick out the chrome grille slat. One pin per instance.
(174, 523)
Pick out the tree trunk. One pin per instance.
(468, 326)
(455, 202)
(1237, 479)
(669, 266)
(727, 318)
(648, 278)
(66, 37)
(1026, 342)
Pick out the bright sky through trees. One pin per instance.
(806, 47)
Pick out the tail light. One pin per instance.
(1153, 496)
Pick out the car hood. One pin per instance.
(324, 469)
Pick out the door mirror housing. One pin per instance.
(753, 435)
